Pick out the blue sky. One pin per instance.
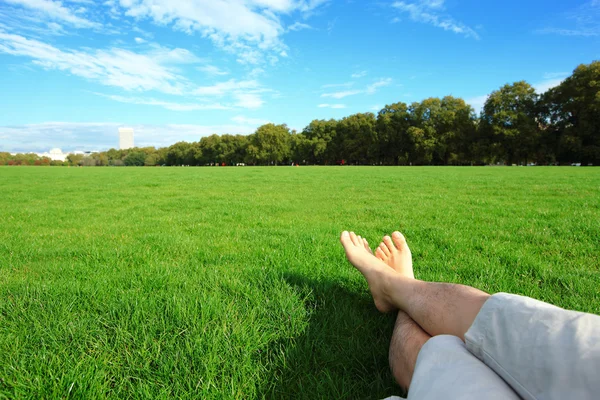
(73, 71)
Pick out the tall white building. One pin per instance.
(125, 138)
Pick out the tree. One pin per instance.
(210, 150)
(135, 159)
(321, 146)
(232, 149)
(509, 122)
(88, 161)
(457, 131)
(425, 132)
(101, 159)
(182, 153)
(269, 144)
(75, 159)
(151, 160)
(4, 157)
(571, 113)
(393, 122)
(359, 138)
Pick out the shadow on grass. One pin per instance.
(342, 353)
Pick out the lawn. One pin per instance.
(231, 283)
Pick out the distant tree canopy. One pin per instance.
(516, 126)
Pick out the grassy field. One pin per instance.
(231, 283)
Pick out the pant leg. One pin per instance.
(541, 351)
(446, 370)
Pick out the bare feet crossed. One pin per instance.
(375, 271)
(395, 253)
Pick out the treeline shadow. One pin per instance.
(342, 353)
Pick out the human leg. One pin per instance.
(408, 337)
(439, 308)
(406, 343)
(542, 351)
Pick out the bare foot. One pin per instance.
(374, 270)
(395, 253)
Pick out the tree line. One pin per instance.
(516, 126)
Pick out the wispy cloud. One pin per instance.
(250, 29)
(212, 70)
(341, 95)
(337, 106)
(240, 119)
(57, 12)
(583, 21)
(248, 100)
(554, 75)
(165, 104)
(298, 26)
(334, 85)
(432, 12)
(370, 89)
(112, 67)
(222, 88)
(359, 74)
(154, 70)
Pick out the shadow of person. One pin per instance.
(343, 351)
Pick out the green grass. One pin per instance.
(231, 283)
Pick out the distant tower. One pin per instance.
(125, 138)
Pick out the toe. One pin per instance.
(385, 249)
(380, 254)
(345, 239)
(366, 244)
(389, 244)
(354, 238)
(399, 240)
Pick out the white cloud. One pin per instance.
(256, 72)
(477, 102)
(166, 104)
(248, 100)
(554, 75)
(247, 28)
(337, 106)
(298, 26)
(56, 11)
(583, 21)
(155, 70)
(222, 88)
(245, 94)
(139, 40)
(240, 119)
(544, 86)
(250, 29)
(341, 95)
(432, 12)
(359, 74)
(111, 67)
(372, 88)
(71, 136)
(376, 108)
(333, 85)
(212, 70)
